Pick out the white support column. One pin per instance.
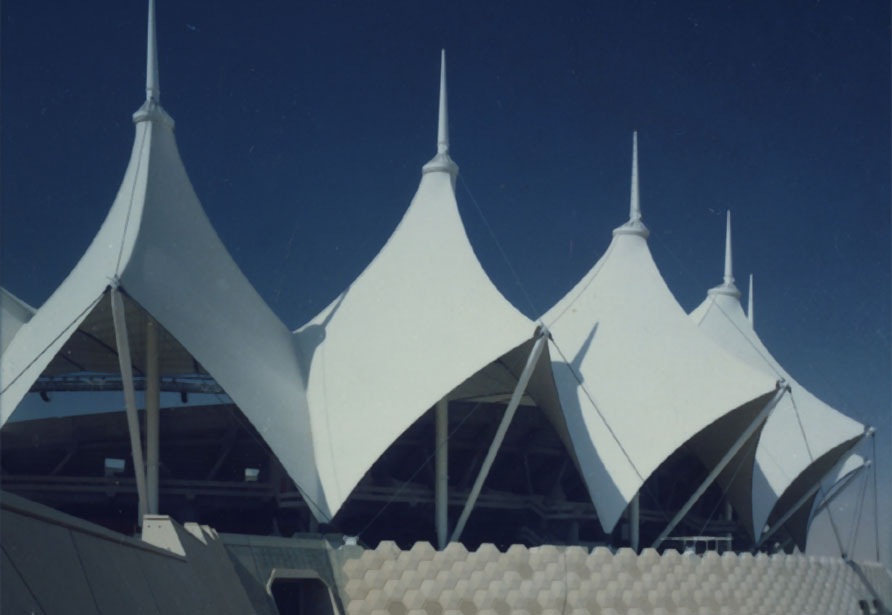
(441, 492)
(525, 375)
(729, 516)
(634, 522)
(123, 344)
(738, 444)
(153, 411)
(853, 538)
(749, 307)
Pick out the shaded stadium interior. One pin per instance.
(216, 469)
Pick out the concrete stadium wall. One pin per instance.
(54, 563)
(260, 561)
(549, 580)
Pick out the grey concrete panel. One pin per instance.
(113, 574)
(67, 565)
(261, 554)
(261, 602)
(173, 585)
(243, 554)
(15, 597)
(45, 556)
(130, 562)
(268, 552)
(214, 571)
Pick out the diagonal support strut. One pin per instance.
(782, 388)
(808, 494)
(522, 382)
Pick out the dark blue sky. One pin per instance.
(304, 127)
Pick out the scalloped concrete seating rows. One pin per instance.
(550, 580)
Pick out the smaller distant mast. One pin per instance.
(443, 119)
(749, 308)
(153, 86)
(634, 198)
(727, 287)
(729, 267)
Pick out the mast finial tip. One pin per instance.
(442, 161)
(634, 226)
(153, 88)
(443, 121)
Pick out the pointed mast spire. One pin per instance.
(727, 286)
(442, 161)
(443, 125)
(729, 267)
(634, 226)
(634, 199)
(151, 110)
(153, 87)
(749, 310)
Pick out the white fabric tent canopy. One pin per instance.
(13, 314)
(421, 319)
(636, 379)
(851, 463)
(803, 438)
(632, 380)
(158, 249)
(91, 348)
(834, 485)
